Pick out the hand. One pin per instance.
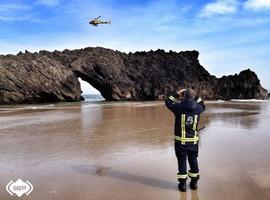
(181, 92)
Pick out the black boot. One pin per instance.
(193, 184)
(182, 186)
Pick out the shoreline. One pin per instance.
(105, 102)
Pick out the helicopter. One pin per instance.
(97, 21)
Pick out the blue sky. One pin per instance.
(231, 35)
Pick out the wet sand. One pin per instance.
(125, 151)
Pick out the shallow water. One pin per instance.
(125, 151)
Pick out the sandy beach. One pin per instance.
(119, 151)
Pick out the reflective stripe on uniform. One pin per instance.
(195, 123)
(194, 139)
(182, 176)
(195, 126)
(193, 175)
(172, 98)
(183, 128)
(199, 100)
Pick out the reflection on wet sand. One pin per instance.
(194, 195)
(125, 151)
(126, 176)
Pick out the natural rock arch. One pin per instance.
(53, 76)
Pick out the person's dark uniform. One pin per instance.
(187, 115)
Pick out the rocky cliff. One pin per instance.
(53, 76)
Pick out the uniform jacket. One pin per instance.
(187, 116)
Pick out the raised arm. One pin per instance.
(171, 101)
(200, 102)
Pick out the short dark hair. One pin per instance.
(189, 94)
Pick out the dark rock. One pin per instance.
(246, 85)
(53, 76)
(36, 80)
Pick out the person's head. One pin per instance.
(189, 94)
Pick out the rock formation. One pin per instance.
(246, 85)
(53, 76)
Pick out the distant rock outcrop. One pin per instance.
(246, 85)
(53, 76)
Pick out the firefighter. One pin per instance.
(187, 115)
